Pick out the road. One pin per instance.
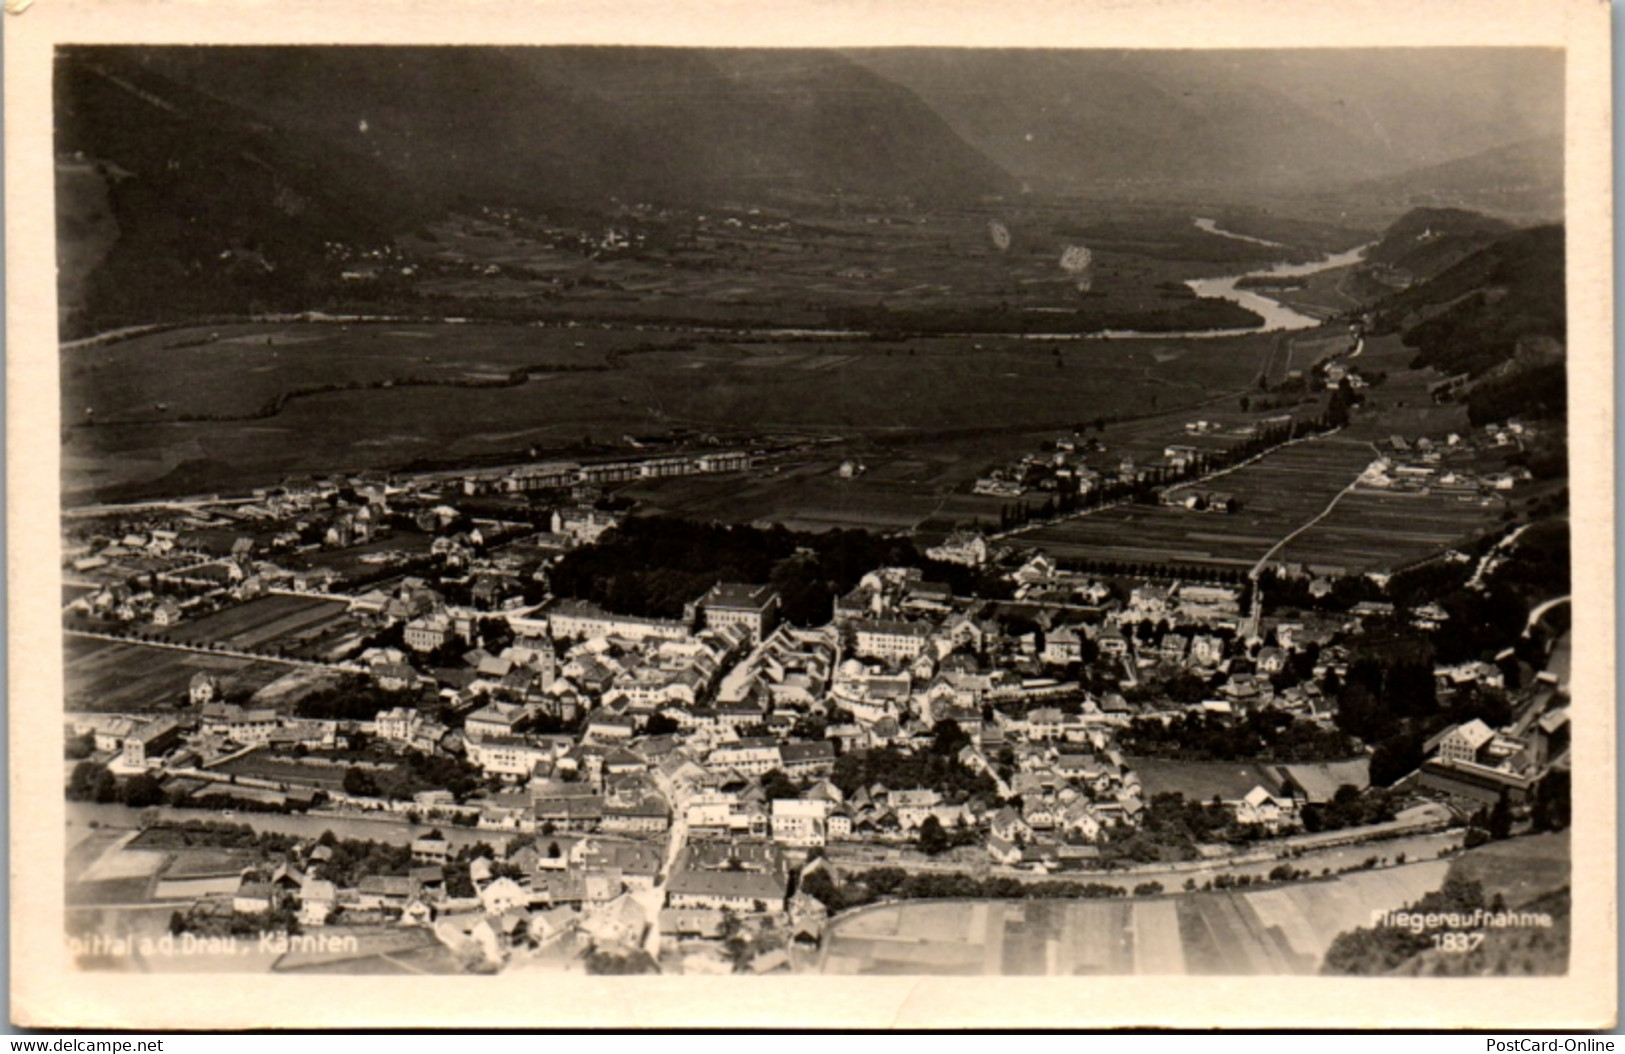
(1304, 852)
(1263, 561)
(654, 899)
(1489, 559)
(229, 653)
(300, 825)
(1540, 610)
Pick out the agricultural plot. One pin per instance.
(115, 874)
(1277, 494)
(263, 623)
(114, 677)
(238, 369)
(284, 771)
(1277, 931)
(928, 389)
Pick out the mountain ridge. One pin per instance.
(208, 179)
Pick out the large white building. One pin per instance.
(754, 609)
(1464, 743)
(890, 639)
(578, 620)
(512, 756)
(800, 822)
(748, 756)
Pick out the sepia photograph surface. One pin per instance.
(1048, 525)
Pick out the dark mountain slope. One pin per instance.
(199, 180)
(1242, 120)
(1472, 316)
(1422, 237)
(1498, 315)
(540, 126)
(206, 207)
(1426, 242)
(1519, 179)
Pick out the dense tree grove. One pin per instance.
(652, 566)
(1170, 829)
(413, 772)
(352, 699)
(1348, 808)
(90, 781)
(905, 771)
(866, 887)
(354, 860)
(1262, 735)
(1553, 804)
(609, 963)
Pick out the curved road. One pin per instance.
(1539, 611)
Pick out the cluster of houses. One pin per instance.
(1073, 463)
(735, 688)
(182, 563)
(1070, 463)
(1419, 467)
(682, 767)
(554, 894)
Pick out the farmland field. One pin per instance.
(262, 622)
(1367, 529)
(1283, 930)
(1377, 529)
(1278, 493)
(236, 369)
(1519, 869)
(293, 773)
(107, 676)
(845, 387)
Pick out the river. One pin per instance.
(1212, 227)
(1276, 315)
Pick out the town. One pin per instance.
(528, 780)
(682, 511)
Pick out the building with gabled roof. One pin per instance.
(753, 608)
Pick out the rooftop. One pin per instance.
(739, 597)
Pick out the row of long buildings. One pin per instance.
(559, 475)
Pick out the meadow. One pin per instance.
(1281, 930)
(104, 676)
(263, 623)
(233, 404)
(888, 391)
(236, 370)
(1277, 493)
